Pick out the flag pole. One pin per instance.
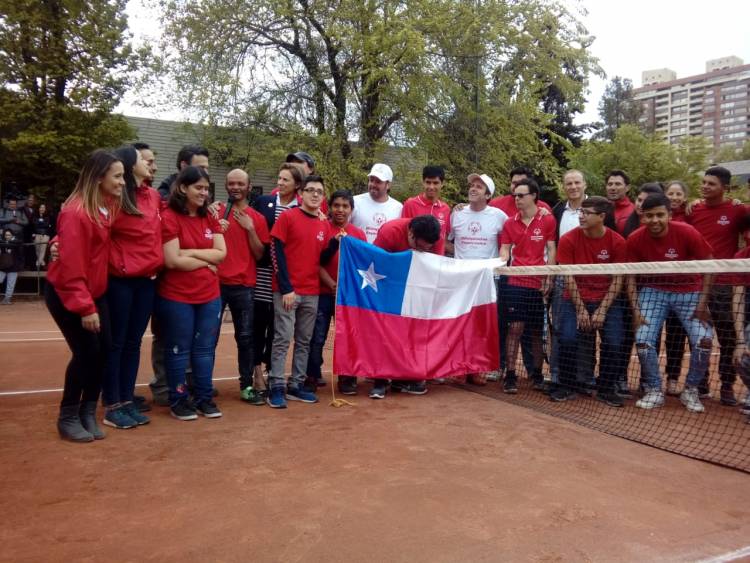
(334, 401)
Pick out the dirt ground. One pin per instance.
(450, 476)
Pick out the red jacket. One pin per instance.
(80, 274)
(136, 249)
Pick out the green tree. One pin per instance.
(617, 108)
(645, 158)
(356, 75)
(64, 65)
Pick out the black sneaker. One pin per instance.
(562, 394)
(510, 385)
(415, 388)
(208, 409)
(347, 385)
(727, 397)
(183, 410)
(141, 404)
(623, 390)
(538, 384)
(377, 392)
(609, 398)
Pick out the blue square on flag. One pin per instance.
(371, 278)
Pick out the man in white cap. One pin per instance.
(475, 231)
(376, 207)
(476, 228)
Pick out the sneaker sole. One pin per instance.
(210, 414)
(410, 392)
(184, 416)
(562, 399)
(649, 407)
(270, 404)
(610, 403)
(113, 425)
(349, 393)
(510, 391)
(295, 398)
(377, 395)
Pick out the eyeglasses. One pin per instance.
(521, 195)
(313, 191)
(587, 212)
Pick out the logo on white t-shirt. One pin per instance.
(671, 254)
(379, 218)
(208, 234)
(603, 255)
(475, 227)
(723, 221)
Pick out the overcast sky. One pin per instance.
(630, 38)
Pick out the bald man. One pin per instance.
(246, 235)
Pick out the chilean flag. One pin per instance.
(413, 315)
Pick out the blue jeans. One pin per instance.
(655, 305)
(131, 302)
(611, 358)
(320, 334)
(190, 333)
(239, 298)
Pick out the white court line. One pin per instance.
(229, 330)
(726, 557)
(28, 331)
(37, 391)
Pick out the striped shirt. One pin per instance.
(264, 276)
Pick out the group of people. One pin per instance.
(127, 253)
(24, 224)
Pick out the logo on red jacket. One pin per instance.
(723, 221)
(379, 218)
(475, 227)
(671, 254)
(537, 236)
(604, 255)
(321, 236)
(208, 234)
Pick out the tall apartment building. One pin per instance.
(715, 105)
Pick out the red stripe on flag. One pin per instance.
(372, 344)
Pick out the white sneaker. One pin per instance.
(745, 409)
(651, 400)
(689, 398)
(493, 376)
(673, 387)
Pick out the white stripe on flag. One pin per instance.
(443, 288)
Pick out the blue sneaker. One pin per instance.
(276, 398)
(303, 395)
(118, 418)
(132, 410)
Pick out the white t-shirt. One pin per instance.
(369, 215)
(569, 220)
(475, 234)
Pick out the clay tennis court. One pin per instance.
(450, 476)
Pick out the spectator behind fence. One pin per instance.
(43, 226)
(11, 262)
(13, 218)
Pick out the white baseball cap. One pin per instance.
(486, 180)
(382, 172)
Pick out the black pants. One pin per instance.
(239, 299)
(83, 376)
(263, 332)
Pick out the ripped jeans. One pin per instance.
(190, 333)
(655, 305)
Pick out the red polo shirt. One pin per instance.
(420, 205)
(720, 226)
(239, 268)
(304, 237)
(682, 242)
(529, 243)
(623, 209)
(196, 286)
(576, 248)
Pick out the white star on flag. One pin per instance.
(369, 277)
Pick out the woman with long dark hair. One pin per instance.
(135, 258)
(188, 305)
(77, 281)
